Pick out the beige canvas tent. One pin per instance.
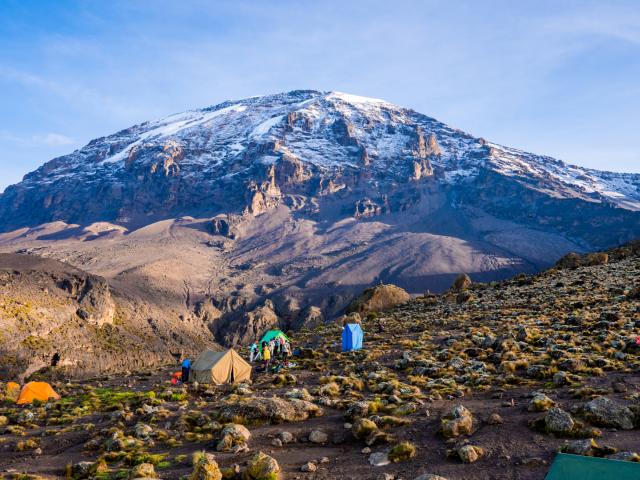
(220, 367)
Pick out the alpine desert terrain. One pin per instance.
(279, 209)
(483, 381)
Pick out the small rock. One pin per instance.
(362, 427)
(144, 470)
(338, 438)
(81, 469)
(625, 456)
(240, 448)
(394, 399)
(379, 459)
(365, 450)
(286, 437)
(580, 447)
(148, 409)
(619, 387)
(541, 403)
(533, 462)
(143, 431)
(308, 467)
(318, 436)
(470, 453)
(495, 419)
(560, 378)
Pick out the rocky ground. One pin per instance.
(487, 381)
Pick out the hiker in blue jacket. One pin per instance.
(186, 368)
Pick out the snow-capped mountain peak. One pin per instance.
(302, 144)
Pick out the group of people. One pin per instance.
(268, 352)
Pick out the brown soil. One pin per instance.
(513, 449)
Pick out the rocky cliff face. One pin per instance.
(52, 314)
(304, 199)
(248, 156)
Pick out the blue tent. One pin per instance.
(352, 336)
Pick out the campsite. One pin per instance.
(377, 411)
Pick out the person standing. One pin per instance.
(286, 353)
(266, 356)
(253, 352)
(186, 369)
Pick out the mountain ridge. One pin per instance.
(266, 208)
(248, 128)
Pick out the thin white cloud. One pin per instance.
(71, 92)
(49, 139)
(618, 24)
(53, 139)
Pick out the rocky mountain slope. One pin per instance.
(264, 210)
(53, 314)
(484, 381)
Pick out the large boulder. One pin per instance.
(605, 413)
(262, 467)
(470, 453)
(378, 298)
(569, 261)
(587, 447)
(318, 436)
(269, 410)
(458, 422)
(559, 421)
(462, 282)
(205, 467)
(573, 260)
(233, 435)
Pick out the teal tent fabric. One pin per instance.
(352, 337)
(578, 467)
(274, 334)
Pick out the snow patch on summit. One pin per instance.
(265, 126)
(355, 99)
(621, 189)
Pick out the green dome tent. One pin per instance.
(274, 335)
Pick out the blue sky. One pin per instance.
(553, 77)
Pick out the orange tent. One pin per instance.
(36, 391)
